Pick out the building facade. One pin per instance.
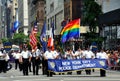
(23, 16)
(37, 13)
(54, 15)
(110, 23)
(3, 19)
(72, 9)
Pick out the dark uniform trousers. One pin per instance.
(44, 68)
(102, 73)
(17, 63)
(25, 66)
(88, 71)
(35, 64)
(49, 73)
(3, 66)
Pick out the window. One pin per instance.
(52, 7)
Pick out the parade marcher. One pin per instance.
(78, 55)
(44, 72)
(30, 63)
(48, 55)
(35, 61)
(102, 55)
(69, 55)
(88, 54)
(16, 54)
(26, 58)
(7, 58)
(3, 63)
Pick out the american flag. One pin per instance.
(35, 28)
(33, 40)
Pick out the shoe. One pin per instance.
(37, 74)
(51, 75)
(48, 76)
(103, 76)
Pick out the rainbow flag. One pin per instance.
(71, 30)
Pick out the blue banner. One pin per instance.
(60, 65)
(7, 46)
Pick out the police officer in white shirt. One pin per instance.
(26, 57)
(88, 54)
(102, 55)
(69, 55)
(78, 55)
(36, 61)
(48, 55)
(16, 54)
(3, 65)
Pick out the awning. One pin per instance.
(110, 19)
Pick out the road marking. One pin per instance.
(86, 79)
(32, 80)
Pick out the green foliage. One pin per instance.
(93, 37)
(19, 38)
(5, 40)
(91, 11)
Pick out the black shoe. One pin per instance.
(4, 72)
(51, 75)
(103, 76)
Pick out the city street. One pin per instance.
(16, 75)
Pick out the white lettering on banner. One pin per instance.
(76, 62)
(88, 65)
(65, 68)
(65, 63)
(85, 61)
(84, 66)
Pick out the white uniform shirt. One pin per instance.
(88, 54)
(25, 54)
(69, 55)
(36, 53)
(101, 55)
(78, 54)
(2, 56)
(49, 55)
(55, 54)
(16, 55)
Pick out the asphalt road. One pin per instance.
(16, 75)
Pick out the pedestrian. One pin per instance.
(44, 72)
(78, 55)
(88, 54)
(30, 63)
(3, 63)
(69, 55)
(35, 61)
(16, 54)
(102, 55)
(49, 54)
(26, 58)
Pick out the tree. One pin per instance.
(91, 11)
(93, 37)
(4, 40)
(19, 38)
